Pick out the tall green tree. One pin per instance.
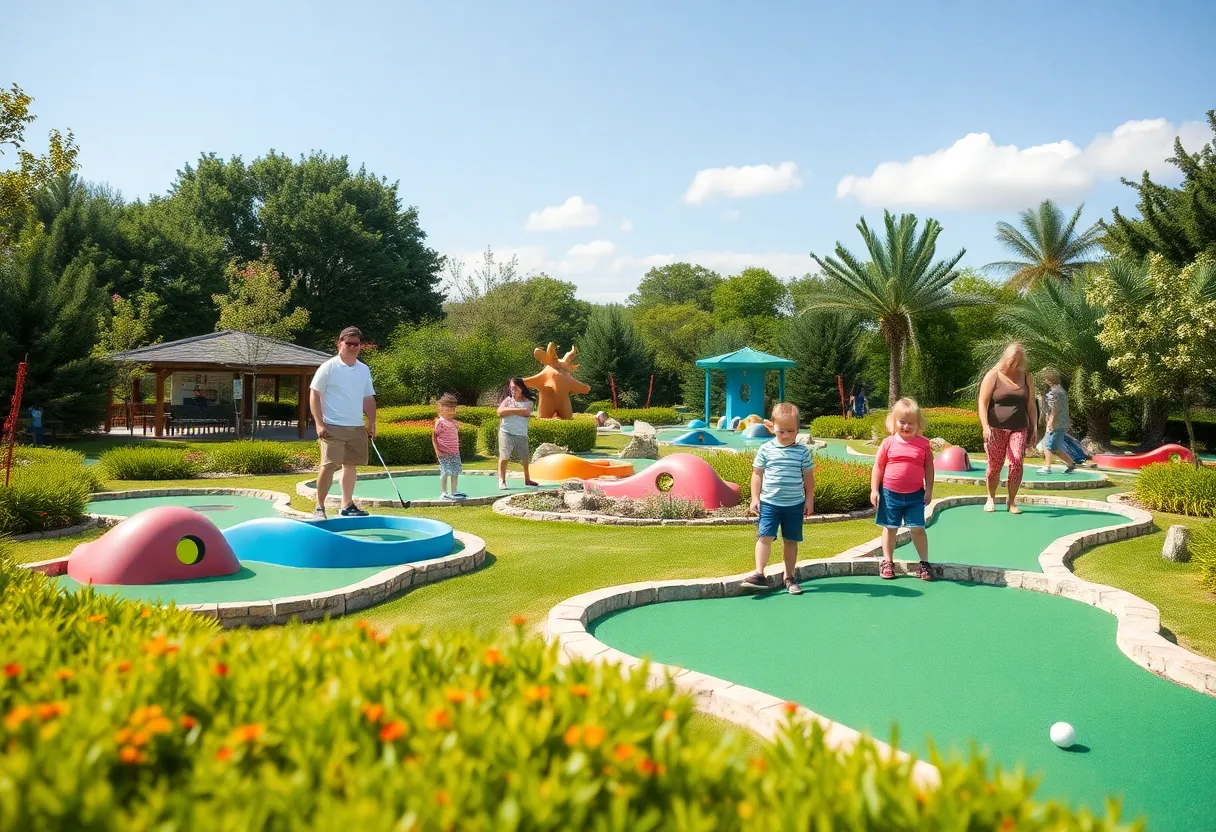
(1177, 223)
(899, 283)
(756, 296)
(257, 302)
(1160, 327)
(127, 324)
(1045, 245)
(20, 183)
(825, 345)
(536, 309)
(613, 348)
(675, 284)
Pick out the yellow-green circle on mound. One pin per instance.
(189, 550)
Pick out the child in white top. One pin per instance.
(515, 408)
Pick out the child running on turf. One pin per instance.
(514, 409)
(783, 492)
(902, 485)
(446, 440)
(1054, 440)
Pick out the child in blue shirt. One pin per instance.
(783, 493)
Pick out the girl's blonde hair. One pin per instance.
(908, 410)
(1014, 355)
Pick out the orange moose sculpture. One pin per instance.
(556, 383)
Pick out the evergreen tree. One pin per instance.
(1177, 223)
(825, 345)
(613, 347)
(726, 339)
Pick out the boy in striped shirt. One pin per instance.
(783, 492)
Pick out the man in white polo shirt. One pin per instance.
(341, 396)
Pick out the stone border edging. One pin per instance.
(1137, 636)
(308, 490)
(278, 500)
(334, 602)
(91, 522)
(503, 506)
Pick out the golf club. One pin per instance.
(404, 503)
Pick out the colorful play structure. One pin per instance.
(1134, 462)
(556, 382)
(952, 458)
(745, 373)
(556, 467)
(174, 543)
(697, 438)
(679, 475)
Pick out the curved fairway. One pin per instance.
(224, 510)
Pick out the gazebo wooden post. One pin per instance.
(302, 405)
(160, 403)
(109, 408)
(276, 388)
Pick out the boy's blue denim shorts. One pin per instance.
(1054, 441)
(787, 518)
(895, 509)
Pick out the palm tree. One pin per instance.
(897, 284)
(1059, 327)
(1050, 247)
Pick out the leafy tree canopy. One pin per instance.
(19, 184)
(674, 284)
(257, 302)
(1045, 244)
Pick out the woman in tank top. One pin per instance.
(1010, 418)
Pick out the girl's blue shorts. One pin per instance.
(895, 509)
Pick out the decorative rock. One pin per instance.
(641, 428)
(1092, 448)
(547, 448)
(645, 446)
(937, 443)
(1175, 548)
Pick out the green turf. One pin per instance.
(426, 487)
(224, 510)
(836, 449)
(958, 662)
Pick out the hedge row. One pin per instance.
(838, 427)
(1179, 488)
(839, 486)
(956, 426)
(1203, 553)
(576, 434)
(411, 444)
(119, 716)
(261, 457)
(143, 462)
(48, 489)
(415, 412)
(653, 415)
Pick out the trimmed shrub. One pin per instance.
(576, 434)
(840, 487)
(411, 444)
(118, 721)
(246, 456)
(653, 415)
(142, 462)
(962, 429)
(49, 497)
(1203, 553)
(838, 427)
(30, 461)
(542, 501)
(1179, 488)
(468, 414)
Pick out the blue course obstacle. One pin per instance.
(758, 431)
(697, 423)
(697, 437)
(722, 423)
(378, 540)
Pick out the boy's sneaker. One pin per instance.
(318, 513)
(792, 587)
(353, 510)
(460, 495)
(756, 580)
(447, 496)
(924, 572)
(502, 485)
(1045, 470)
(1070, 468)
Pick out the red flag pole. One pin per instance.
(10, 424)
(648, 392)
(612, 383)
(844, 411)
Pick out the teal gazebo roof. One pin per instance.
(746, 358)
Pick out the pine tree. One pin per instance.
(613, 348)
(825, 345)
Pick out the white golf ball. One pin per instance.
(1063, 734)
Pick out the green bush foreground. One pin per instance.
(839, 486)
(578, 434)
(121, 717)
(1179, 488)
(48, 489)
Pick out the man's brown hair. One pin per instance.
(349, 331)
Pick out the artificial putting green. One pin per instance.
(426, 487)
(968, 534)
(837, 449)
(958, 662)
(224, 510)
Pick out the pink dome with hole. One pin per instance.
(691, 478)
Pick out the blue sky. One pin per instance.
(780, 112)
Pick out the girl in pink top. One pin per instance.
(902, 485)
(446, 440)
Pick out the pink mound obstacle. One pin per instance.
(953, 458)
(167, 543)
(1135, 461)
(691, 478)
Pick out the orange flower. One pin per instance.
(247, 733)
(144, 612)
(96, 619)
(188, 722)
(395, 730)
(668, 714)
(160, 646)
(573, 734)
(580, 690)
(224, 754)
(1007, 825)
(141, 715)
(130, 755)
(50, 710)
(316, 638)
(439, 718)
(12, 669)
(221, 669)
(790, 708)
(519, 620)
(373, 712)
(123, 666)
(138, 738)
(362, 624)
(536, 693)
(64, 673)
(647, 766)
(593, 735)
(759, 763)
(18, 715)
(442, 798)
(455, 695)
(479, 694)
(494, 657)
(160, 725)
(622, 752)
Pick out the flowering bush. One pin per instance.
(140, 462)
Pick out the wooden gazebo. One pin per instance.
(227, 353)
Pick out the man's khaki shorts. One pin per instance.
(346, 445)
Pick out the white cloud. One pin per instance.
(731, 214)
(749, 180)
(596, 248)
(976, 173)
(626, 225)
(573, 213)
